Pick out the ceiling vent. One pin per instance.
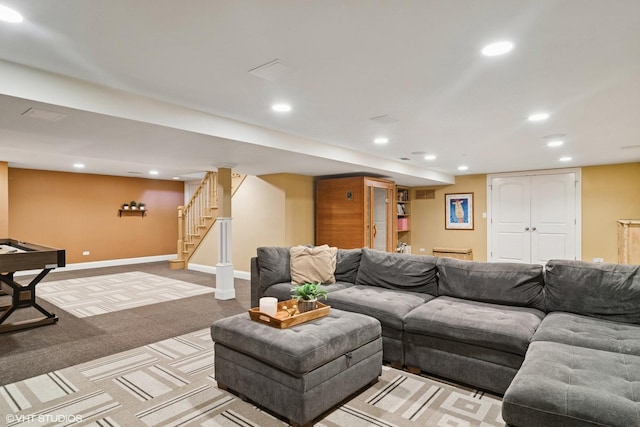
(271, 71)
(49, 116)
(384, 119)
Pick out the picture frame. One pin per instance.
(458, 211)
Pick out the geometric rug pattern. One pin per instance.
(90, 296)
(171, 383)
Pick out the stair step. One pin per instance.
(176, 264)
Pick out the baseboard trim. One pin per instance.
(99, 264)
(238, 274)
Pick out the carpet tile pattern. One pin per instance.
(90, 296)
(171, 383)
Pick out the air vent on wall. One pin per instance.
(425, 194)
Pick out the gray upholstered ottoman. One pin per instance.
(300, 372)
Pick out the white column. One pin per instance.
(225, 289)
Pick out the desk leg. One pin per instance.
(24, 296)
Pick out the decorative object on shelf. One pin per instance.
(141, 206)
(307, 296)
(133, 205)
(459, 211)
(125, 206)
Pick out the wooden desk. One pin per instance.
(19, 256)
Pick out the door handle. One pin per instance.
(533, 229)
(526, 229)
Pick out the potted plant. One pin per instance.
(133, 205)
(307, 295)
(141, 206)
(125, 206)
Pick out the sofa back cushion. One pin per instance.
(499, 283)
(274, 263)
(607, 291)
(416, 273)
(347, 265)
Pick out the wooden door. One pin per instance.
(380, 216)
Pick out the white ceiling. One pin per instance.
(416, 62)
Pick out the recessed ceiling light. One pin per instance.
(154, 172)
(565, 159)
(9, 15)
(281, 108)
(498, 48)
(463, 168)
(538, 117)
(78, 165)
(381, 140)
(555, 143)
(430, 157)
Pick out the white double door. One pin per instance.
(534, 218)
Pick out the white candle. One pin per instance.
(269, 305)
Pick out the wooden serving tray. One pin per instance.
(283, 319)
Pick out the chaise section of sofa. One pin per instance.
(479, 328)
(583, 365)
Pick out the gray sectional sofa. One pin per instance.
(562, 343)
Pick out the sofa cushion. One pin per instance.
(589, 332)
(497, 283)
(313, 264)
(347, 264)
(607, 291)
(564, 385)
(498, 327)
(282, 291)
(274, 263)
(388, 306)
(416, 273)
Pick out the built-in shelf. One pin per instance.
(132, 211)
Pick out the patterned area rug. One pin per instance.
(171, 383)
(89, 296)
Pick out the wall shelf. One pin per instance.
(132, 211)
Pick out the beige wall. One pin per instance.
(609, 193)
(79, 212)
(271, 210)
(428, 219)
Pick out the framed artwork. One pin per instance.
(458, 211)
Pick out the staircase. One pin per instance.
(198, 217)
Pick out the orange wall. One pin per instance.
(79, 212)
(4, 200)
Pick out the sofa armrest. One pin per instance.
(255, 282)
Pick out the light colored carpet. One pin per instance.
(171, 383)
(90, 296)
